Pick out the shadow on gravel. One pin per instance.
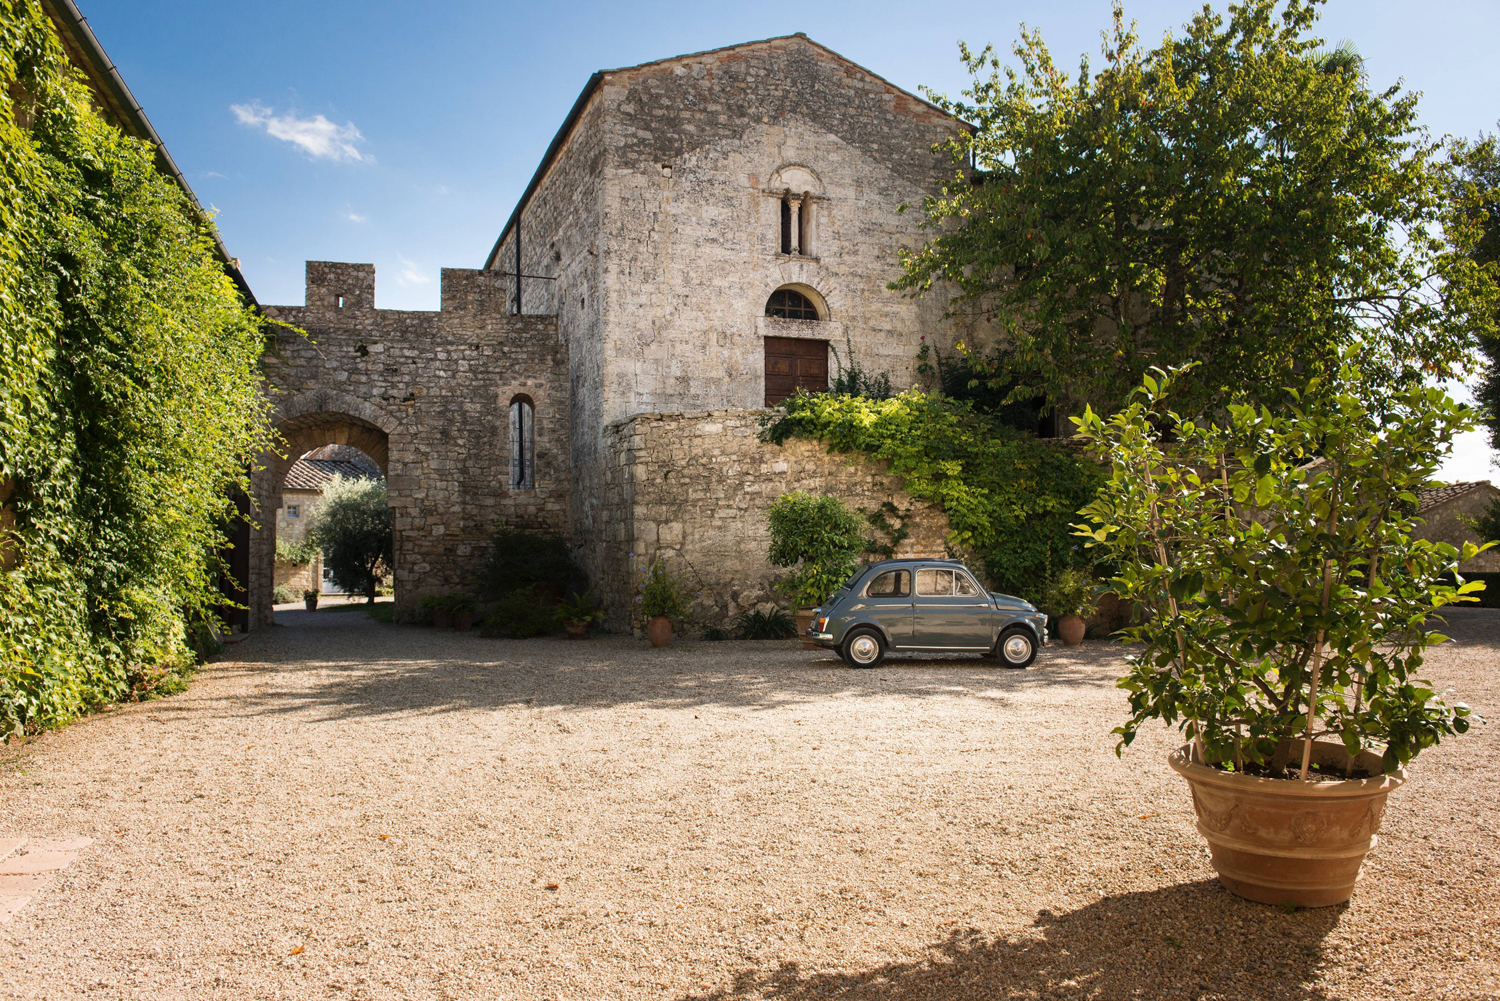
(1191, 941)
(415, 669)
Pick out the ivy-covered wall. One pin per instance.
(129, 399)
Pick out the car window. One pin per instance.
(891, 584)
(932, 583)
(963, 584)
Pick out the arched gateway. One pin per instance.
(427, 395)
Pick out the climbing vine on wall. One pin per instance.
(129, 399)
(1009, 496)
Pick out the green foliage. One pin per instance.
(819, 537)
(282, 595)
(522, 557)
(130, 406)
(310, 594)
(1234, 196)
(583, 607)
(715, 634)
(523, 612)
(298, 553)
(1474, 193)
(1010, 497)
(1274, 554)
(353, 527)
(660, 593)
(452, 602)
(984, 381)
(1487, 525)
(1069, 592)
(757, 625)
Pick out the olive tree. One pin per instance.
(353, 528)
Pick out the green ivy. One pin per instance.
(130, 406)
(1009, 496)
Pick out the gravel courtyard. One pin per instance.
(340, 808)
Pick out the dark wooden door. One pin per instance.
(793, 363)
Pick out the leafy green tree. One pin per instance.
(130, 403)
(353, 527)
(1236, 196)
(1475, 191)
(819, 539)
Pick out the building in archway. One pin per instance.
(705, 235)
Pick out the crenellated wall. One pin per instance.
(427, 396)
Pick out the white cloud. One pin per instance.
(356, 217)
(317, 136)
(410, 275)
(212, 173)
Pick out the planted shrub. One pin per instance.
(1070, 592)
(584, 607)
(523, 612)
(281, 594)
(757, 625)
(820, 539)
(354, 528)
(522, 557)
(661, 594)
(1288, 597)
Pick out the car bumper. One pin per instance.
(822, 639)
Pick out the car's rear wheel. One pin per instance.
(1016, 647)
(863, 648)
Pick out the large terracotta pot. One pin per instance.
(659, 630)
(463, 621)
(578, 629)
(1281, 841)
(441, 619)
(311, 603)
(1070, 629)
(804, 619)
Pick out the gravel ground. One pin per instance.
(340, 808)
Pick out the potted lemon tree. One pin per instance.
(661, 601)
(1288, 610)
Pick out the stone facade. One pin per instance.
(677, 197)
(427, 396)
(658, 213)
(694, 488)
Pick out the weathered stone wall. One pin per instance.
(694, 488)
(427, 396)
(1443, 524)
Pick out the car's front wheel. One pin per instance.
(1017, 647)
(863, 648)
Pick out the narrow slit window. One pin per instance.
(522, 462)
(341, 302)
(804, 226)
(786, 225)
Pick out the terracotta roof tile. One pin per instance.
(314, 474)
(1441, 495)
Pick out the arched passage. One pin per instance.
(306, 423)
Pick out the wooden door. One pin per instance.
(793, 363)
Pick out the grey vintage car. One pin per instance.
(927, 606)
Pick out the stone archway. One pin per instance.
(305, 422)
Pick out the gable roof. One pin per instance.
(315, 474)
(589, 88)
(1431, 498)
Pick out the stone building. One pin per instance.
(704, 235)
(301, 499)
(1446, 513)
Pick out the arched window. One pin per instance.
(789, 304)
(522, 476)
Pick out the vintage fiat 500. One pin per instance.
(925, 606)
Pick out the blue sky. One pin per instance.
(402, 133)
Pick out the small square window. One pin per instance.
(292, 511)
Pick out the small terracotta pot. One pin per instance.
(441, 619)
(312, 604)
(1070, 629)
(577, 630)
(1282, 841)
(659, 630)
(462, 621)
(804, 617)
